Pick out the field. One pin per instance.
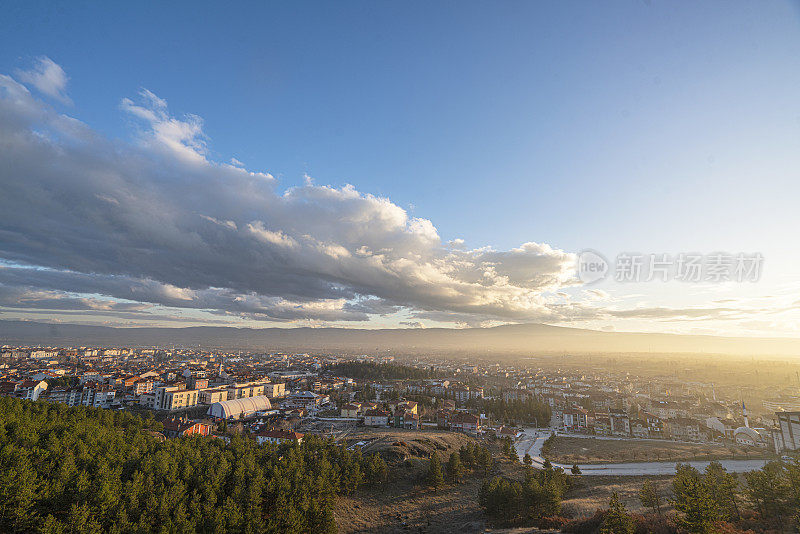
(397, 444)
(594, 492)
(569, 450)
(406, 505)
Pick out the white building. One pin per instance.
(750, 437)
(239, 408)
(788, 436)
(31, 389)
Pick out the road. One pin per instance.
(532, 442)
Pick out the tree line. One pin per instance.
(469, 458)
(519, 411)
(380, 371)
(703, 502)
(75, 469)
(538, 496)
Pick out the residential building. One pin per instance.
(174, 398)
(141, 386)
(788, 433)
(683, 429)
(640, 429)
(376, 418)
(196, 382)
(507, 432)
(178, 427)
(351, 410)
(69, 396)
(31, 389)
(620, 423)
(210, 396)
(575, 419)
(242, 391)
(308, 399)
(602, 425)
(465, 422)
(98, 395)
(278, 436)
(275, 390)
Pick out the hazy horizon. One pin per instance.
(528, 339)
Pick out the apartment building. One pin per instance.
(787, 437)
(210, 396)
(275, 390)
(245, 390)
(174, 398)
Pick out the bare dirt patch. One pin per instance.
(405, 503)
(397, 444)
(569, 450)
(591, 493)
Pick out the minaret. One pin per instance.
(744, 413)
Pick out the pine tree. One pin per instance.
(617, 519)
(650, 497)
(454, 468)
(468, 455)
(435, 476)
(485, 460)
(527, 460)
(693, 501)
(722, 486)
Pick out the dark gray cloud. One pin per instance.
(156, 221)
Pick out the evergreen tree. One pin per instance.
(435, 477)
(527, 460)
(722, 486)
(693, 501)
(455, 471)
(484, 460)
(74, 470)
(377, 472)
(617, 519)
(650, 497)
(468, 454)
(770, 489)
(575, 469)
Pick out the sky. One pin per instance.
(414, 164)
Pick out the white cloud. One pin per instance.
(48, 77)
(268, 236)
(178, 229)
(183, 137)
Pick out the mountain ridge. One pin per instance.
(517, 338)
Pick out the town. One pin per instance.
(282, 396)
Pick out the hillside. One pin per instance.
(527, 338)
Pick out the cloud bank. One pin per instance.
(157, 222)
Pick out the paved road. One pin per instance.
(533, 440)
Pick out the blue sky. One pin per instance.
(621, 126)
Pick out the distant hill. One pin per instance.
(524, 338)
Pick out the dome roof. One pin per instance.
(237, 408)
(755, 436)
